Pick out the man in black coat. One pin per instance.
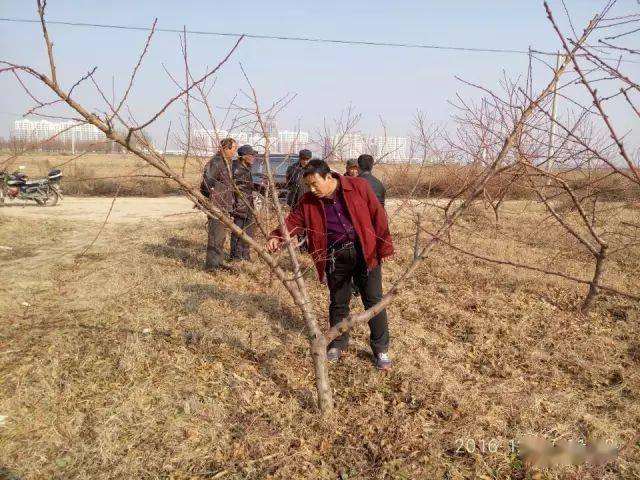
(296, 187)
(243, 201)
(295, 184)
(218, 187)
(365, 162)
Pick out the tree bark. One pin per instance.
(323, 386)
(594, 288)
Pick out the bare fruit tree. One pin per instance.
(583, 176)
(502, 158)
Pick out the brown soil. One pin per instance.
(131, 362)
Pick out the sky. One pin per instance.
(385, 83)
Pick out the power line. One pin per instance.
(296, 39)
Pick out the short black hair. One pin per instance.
(365, 162)
(316, 166)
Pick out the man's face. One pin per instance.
(353, 171)
(249, 159)
(229, 152)
(319, 186)
(304, 162)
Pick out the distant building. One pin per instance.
(241, 137)
(39, 130)
(292, 142)
(206, 142)
(391, 149)
(383, 149)
(271, 127)
(258, 141)
(350, 145)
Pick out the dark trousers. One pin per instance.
(215, 244)
(302, 241)
(239, 248)
(343, 266)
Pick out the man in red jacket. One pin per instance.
(348, 236)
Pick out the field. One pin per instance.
(102, 175)
(130, 362)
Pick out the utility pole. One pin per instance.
(113, 102)
(552, 131)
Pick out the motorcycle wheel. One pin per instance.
(53, 197)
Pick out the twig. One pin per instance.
(104, 223)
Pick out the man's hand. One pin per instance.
(273, 244)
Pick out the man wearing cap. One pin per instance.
(352, 168)
(348, 236)
(242, 211)
(217, 186)
(295, 184)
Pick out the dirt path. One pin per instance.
(50, 236)
(95, 209)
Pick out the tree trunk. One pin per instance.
(319, 354)
(597, 275)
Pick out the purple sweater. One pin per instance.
(339, 227)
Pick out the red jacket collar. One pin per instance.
(345, 182)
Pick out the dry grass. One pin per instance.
(133, 363)
(99, 174)
(439, 181)
(444, 181)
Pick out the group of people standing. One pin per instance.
(227, 181)
(342, 218)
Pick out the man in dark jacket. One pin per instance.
(295, 183)
(296, 188)
(217, 186)
(348, 237)
(365, 162)
(243, 201)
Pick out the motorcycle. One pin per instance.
(44, 191)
